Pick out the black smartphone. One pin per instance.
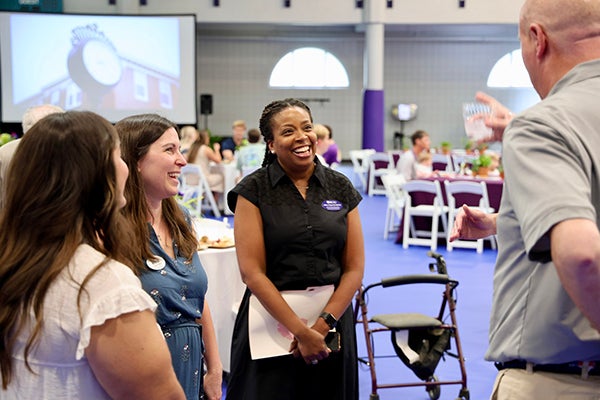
(333, 341)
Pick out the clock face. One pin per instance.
(102, 62)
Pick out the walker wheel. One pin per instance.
(463, 395)
(434, 391)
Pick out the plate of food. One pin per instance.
(221, 243)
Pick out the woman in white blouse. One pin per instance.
(74, 320)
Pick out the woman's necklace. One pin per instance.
(162, 240)
(301, 184)
(303, 190)
(163, 234)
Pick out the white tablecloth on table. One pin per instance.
(225, 286)
(225, 292)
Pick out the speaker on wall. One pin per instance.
(206, 104)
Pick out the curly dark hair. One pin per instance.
(269, 112)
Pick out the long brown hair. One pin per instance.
(137, 134)
(269, 112)
(203, 139)
(61, 192)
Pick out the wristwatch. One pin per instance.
(329, 319)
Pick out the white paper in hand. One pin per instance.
(269, 338)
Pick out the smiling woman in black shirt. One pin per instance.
(296, 226)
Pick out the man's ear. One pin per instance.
(536, 31)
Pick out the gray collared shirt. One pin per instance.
(551, 156)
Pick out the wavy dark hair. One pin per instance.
(138, 133)
(61, 192)
(266, 118)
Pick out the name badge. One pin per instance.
(332, 205)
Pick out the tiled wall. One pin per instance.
(437, 75)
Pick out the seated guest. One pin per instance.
(494, 169)
(75, 322)
(408, 160)
(233, 143)
(424, 166)
(251, 155)
(333, 154)
(322, 142)
(189, 134)
(202, 154)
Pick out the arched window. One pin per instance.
(309, 68)
(509, 71)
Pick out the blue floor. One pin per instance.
(474, 272)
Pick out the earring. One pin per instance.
(272, 151)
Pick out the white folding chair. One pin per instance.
(434, 209)
(395, 208)
(195, 191)
(396, 155)
(454, 190)
(458, 159)
(441, 162)
(380, 164)
(360, 165)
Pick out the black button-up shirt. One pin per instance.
(304, 239)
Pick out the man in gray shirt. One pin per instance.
(545, 322)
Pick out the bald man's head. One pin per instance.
(35, 113)
(556, 36)
(564, 21)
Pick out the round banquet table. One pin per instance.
(225, 292)
(225, 286)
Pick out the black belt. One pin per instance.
(574, 367)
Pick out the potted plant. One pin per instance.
(481, 165)
(446, 147)
(482, 147)
(469, 145)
